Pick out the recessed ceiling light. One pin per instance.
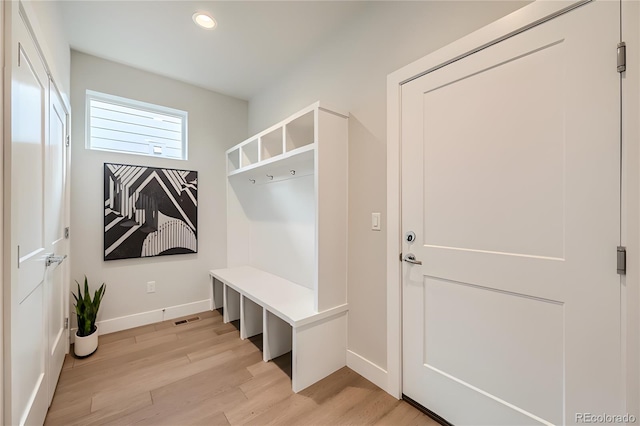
(205, 20)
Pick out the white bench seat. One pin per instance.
(288, 321)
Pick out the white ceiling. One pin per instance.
(254, 43)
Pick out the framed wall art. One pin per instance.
(149, 211)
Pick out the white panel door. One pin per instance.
(57, 287)
(29, 91)
(510, 181)
(36, 340)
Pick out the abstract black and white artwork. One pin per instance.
(149, 211)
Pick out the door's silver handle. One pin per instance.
(52, 258)
(410, 258)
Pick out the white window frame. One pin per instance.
(139, 105)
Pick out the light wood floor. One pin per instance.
(202, 373)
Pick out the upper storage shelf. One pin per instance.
(287, 147)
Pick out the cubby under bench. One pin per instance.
(285, 314)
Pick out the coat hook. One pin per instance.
(270, 177)
(293, 172)
(252, 180)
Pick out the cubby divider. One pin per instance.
(251, 323)
(277, 337)
(217, 290)
(272, 144)
(300, 131)
(250, 153)
(233, 160)
(231, 305)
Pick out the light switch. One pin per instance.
(375, 221)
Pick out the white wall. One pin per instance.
(281, 218)
(349, 71)
(216, 122)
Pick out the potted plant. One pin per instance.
(86, 341)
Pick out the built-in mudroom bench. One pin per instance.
(283, 312)
(287, 242)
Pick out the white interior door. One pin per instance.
(35, 343)
(510, 181)
(29, 91)
(57, 286)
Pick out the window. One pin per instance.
(134, 127)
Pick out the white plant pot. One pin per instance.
(85, 346)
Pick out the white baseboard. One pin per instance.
(150, 317)
(370, 371)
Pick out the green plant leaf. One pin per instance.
(87, 309)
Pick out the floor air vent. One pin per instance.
(186, 321)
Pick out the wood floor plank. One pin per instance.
(202, 373)
(202, 315)
(405, 414)
(157, 376)
(296, 408)
(223, 343)
(112, 391)
(285, 411)
(262, 382)
(217, 419)
(92, 381)
(370, 410)
(64, 412)
(335, 410)
(147, 352)
(207, 384)
(125, 334)
(260, 367)
(204, 408)
(68, 363)
(245, 412)
(325, 389)
(105, 350)
(183, 328)
(180, 409)
(111, 355)
(117, 410)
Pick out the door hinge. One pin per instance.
(622, 260)
(66, 233)
(66, 323)
(622, 57)
(400, 257)
(68, 142)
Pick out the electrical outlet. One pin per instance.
(151, 287)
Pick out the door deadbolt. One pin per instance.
(410, 237)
